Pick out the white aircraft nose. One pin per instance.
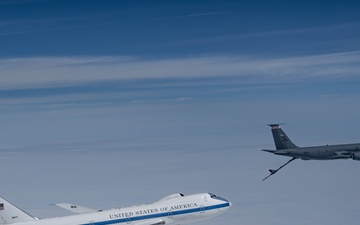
(225, 203)
(228, 203)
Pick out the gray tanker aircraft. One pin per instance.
(285, 147)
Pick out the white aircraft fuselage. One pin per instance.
(174, 209)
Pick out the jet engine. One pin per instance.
(355, 156)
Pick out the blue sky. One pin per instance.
(91, 88)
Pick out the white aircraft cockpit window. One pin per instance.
(217, 197)
(213, 195)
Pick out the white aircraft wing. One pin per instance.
(150, 222)
(76, 208)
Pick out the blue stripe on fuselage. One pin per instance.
(166, 214)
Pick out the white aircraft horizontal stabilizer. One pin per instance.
(76, 208)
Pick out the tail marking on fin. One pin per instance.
(282, 141)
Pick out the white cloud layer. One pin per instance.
(58, 71)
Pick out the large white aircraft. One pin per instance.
(173, 209)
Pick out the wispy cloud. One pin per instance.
(55, 29)
(15, 2)
(333, 28)
(64, 71)
(183, 99)
(189, 15)
(56, 23)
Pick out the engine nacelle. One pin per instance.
(355, 156)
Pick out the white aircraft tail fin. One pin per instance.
(10, 214)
